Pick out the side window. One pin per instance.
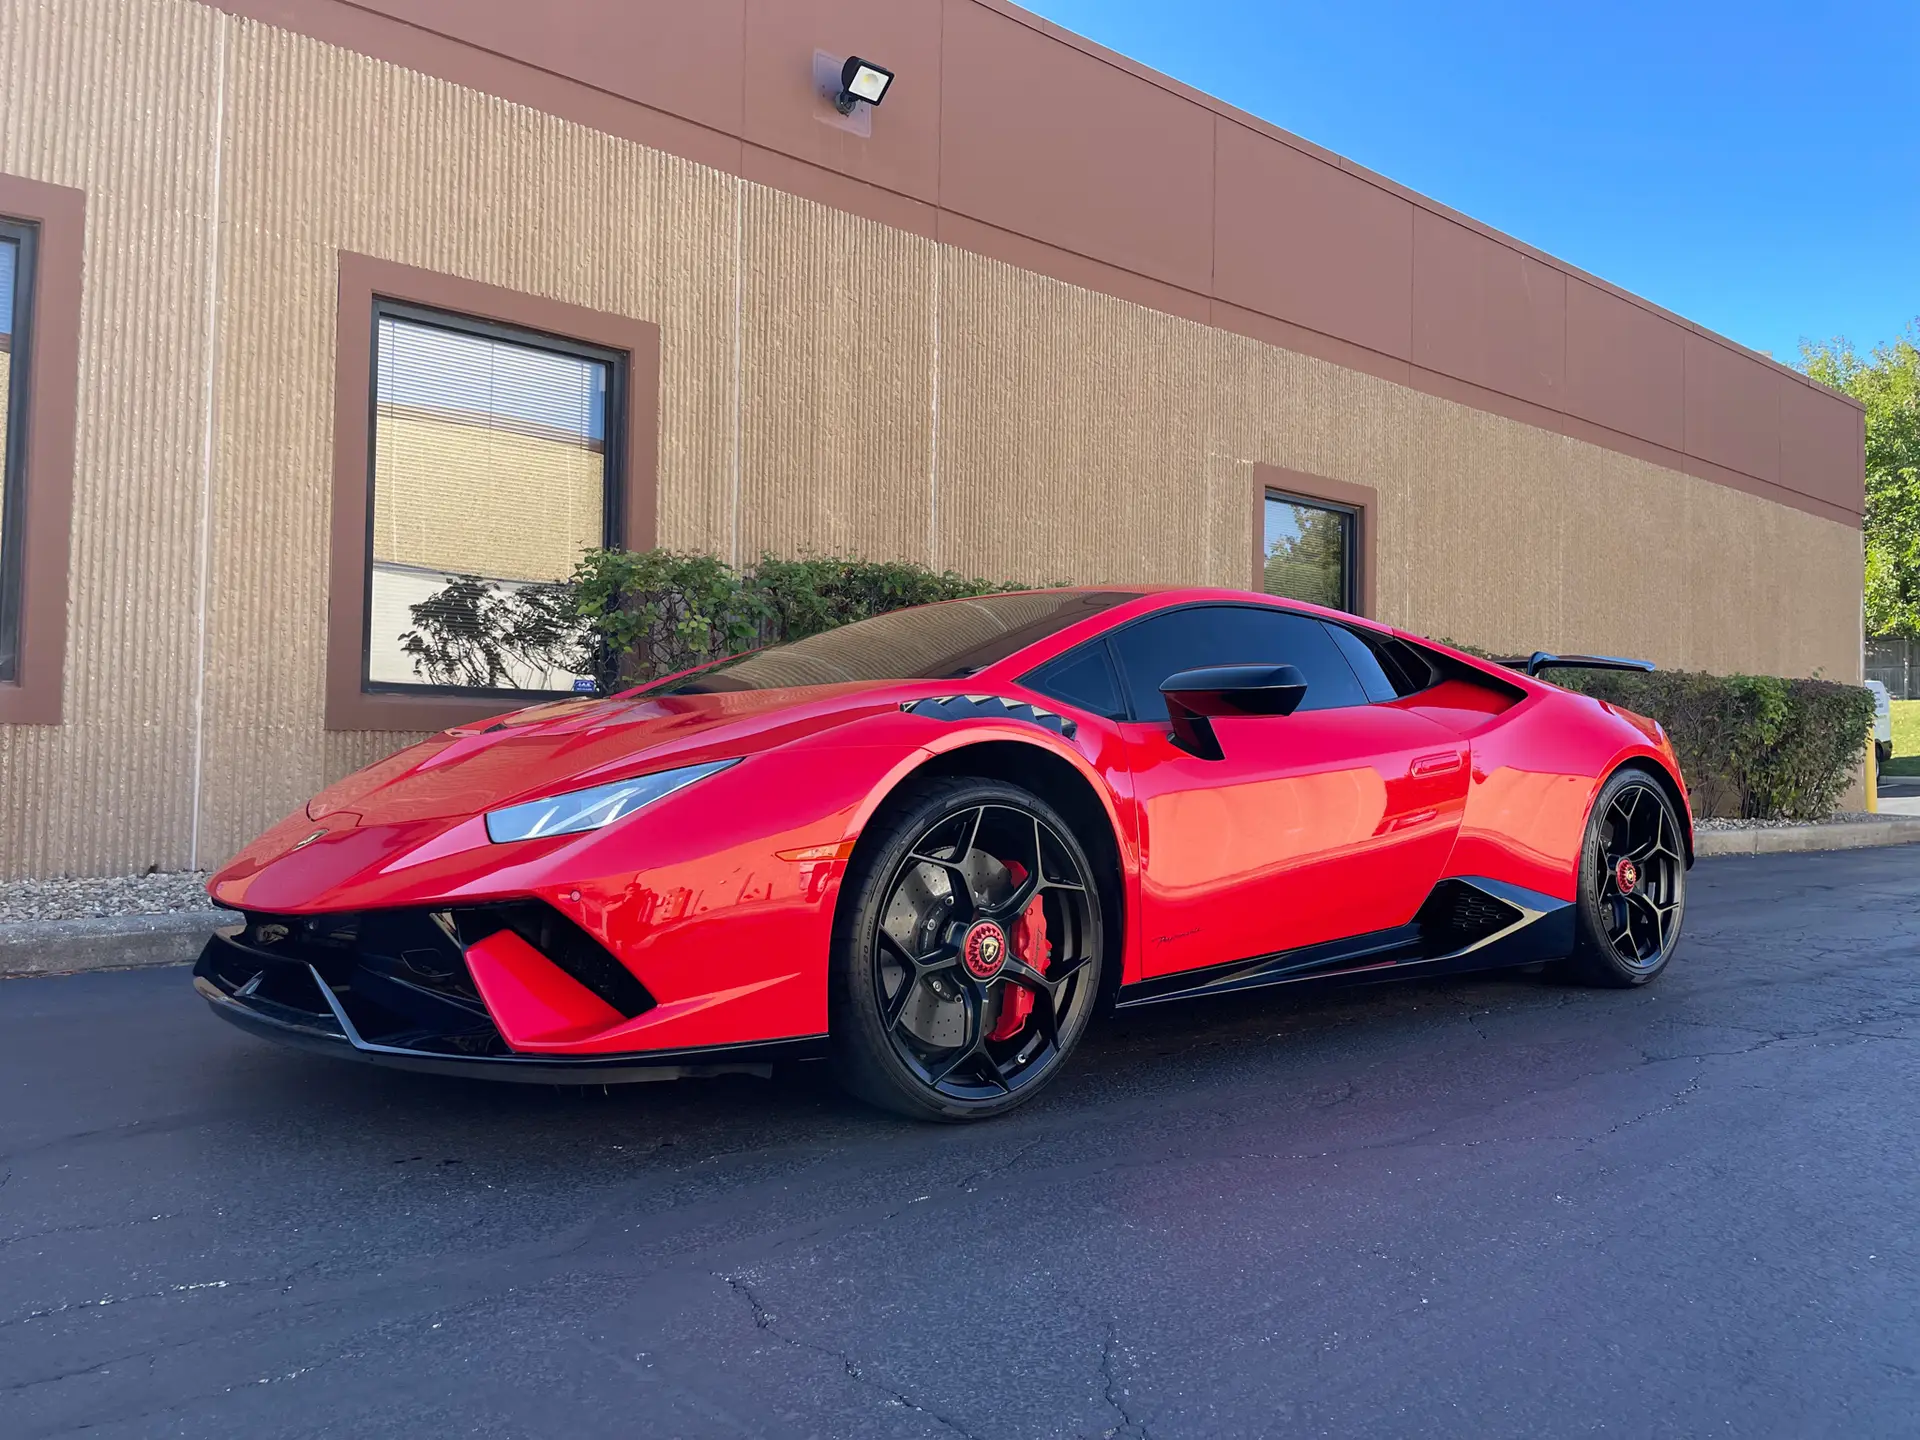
(1178, 640)
(1366, 664)
(1083, 678)
(1388, 668)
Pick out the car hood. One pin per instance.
(573, 744)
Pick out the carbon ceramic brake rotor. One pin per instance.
(915, 917)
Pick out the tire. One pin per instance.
(1882, 751)
(935, 942)
(1633, 885)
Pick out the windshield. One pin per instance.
(948, 641)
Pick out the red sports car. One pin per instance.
(930, 845)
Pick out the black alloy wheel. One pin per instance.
(1633, 884)
(967, 953)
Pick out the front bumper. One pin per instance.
(393, 988)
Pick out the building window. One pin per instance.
(495, 460)
(1310, 551)
(16, 291)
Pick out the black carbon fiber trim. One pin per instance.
(989, 707)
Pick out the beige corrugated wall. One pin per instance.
(121, 101)
(995, 421)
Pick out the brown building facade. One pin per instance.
(319, 304)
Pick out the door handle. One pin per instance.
(1427, 766)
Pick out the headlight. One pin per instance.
(581, 810)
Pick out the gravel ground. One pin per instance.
(1844, 817)
(22, 901)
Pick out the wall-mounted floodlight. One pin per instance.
(861, 80)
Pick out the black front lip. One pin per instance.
(336, 1035)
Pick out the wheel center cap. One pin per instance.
(984, 951)
(1626, 875)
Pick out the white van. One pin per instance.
(1882, 722)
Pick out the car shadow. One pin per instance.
(1127, 1057)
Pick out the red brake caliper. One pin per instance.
(1030, 943)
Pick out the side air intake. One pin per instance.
(1458, 915)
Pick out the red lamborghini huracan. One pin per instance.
(931, 844)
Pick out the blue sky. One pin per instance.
(1754, 167)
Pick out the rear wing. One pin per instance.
(1541, 660)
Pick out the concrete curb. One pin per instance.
(1800, 839)
(117, 942)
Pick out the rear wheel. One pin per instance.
(967, 952)
(1633, 884)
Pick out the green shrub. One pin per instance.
(625, 617)
(650, 613)
(804, 597)
(1751, 746)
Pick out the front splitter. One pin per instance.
(342, 1042)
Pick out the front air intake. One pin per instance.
(570, 948)
(401, 977)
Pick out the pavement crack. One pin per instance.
(1685, 1093)
(15, 1387)
(981, 1176)
(53, 1230)
(763, 1319)
(1115, 1392)
(107, 1300)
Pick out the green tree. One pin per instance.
(1887, 382)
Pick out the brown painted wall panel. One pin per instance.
(1625, 367)
(784, 112)
(1487, 314)
(1036, 256)
(1300, 240)
(1043, 140)
(838, 191)
(1822, 445)
(683, 57)
(1733, 409)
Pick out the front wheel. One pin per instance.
(967, 952)
(1633, 884)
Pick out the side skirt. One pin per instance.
(1466, 923)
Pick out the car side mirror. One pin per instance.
(1195, 698)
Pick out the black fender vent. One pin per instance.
(989, 707)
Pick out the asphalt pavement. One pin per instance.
(1480, 1208)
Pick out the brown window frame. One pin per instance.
(1362, 502)
(41, 523)
(365, 284)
